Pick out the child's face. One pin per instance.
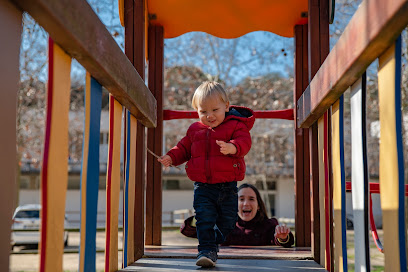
(212, 111)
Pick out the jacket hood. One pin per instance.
(244, 114)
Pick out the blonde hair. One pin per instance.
(206, 90)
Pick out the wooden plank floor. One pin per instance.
(173, 264)
(234, 258)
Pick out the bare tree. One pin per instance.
(31, 96)
(230, 60)
(31, 104)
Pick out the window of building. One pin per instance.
(267, 190)
(271, 206)
(259, 185)
(103, 138)
(271, 185)
(30, 182)
(171, 184)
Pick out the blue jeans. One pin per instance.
(216, 207)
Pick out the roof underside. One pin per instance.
(227, 18)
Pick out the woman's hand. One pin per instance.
(226, 148)
(282, 232)
(166, 160)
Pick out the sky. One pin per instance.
(256, 54)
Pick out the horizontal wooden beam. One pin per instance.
(75, 27)
(373, 28)
(266, 114)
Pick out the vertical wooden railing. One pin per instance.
(318, 48)
(113, 185)
(76, 31)
(392, 180)
(344, 69)
(90, 174)
(54, 168)
(339, 186)
(359, 173)
(10, 31)
(134, 19)
(302, 163)
(129, 246)
(155, 138)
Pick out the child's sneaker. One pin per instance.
(207, 259)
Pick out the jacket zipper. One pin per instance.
(207, 150)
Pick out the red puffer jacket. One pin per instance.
(205, 161)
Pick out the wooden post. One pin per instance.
(10, 27)
(155, 138)
(314, 189)
(392, 180)
(134, 17)
(318, 40)
(302, 185)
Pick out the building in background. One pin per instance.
(269, 168)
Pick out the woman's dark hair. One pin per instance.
(262, 210)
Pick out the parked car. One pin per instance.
(27, 218)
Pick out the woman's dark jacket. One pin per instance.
(251, 233)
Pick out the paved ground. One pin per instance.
(30, 261)
(376, 257)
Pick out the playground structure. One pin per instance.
(321, 77)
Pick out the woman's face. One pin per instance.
(247, 204)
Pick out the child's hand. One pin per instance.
(282, 231)
(166, 160)
(226, 148)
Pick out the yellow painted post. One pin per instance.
(54, 171)
(392, 185)
(113, 185)
(320, 124)
(340, 245)
(131, 196)
(129, 189)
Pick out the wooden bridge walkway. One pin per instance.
(234, 258)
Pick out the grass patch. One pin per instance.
(375, 268)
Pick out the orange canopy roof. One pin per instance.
(227, 18)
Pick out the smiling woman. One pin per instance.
(253, 227)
